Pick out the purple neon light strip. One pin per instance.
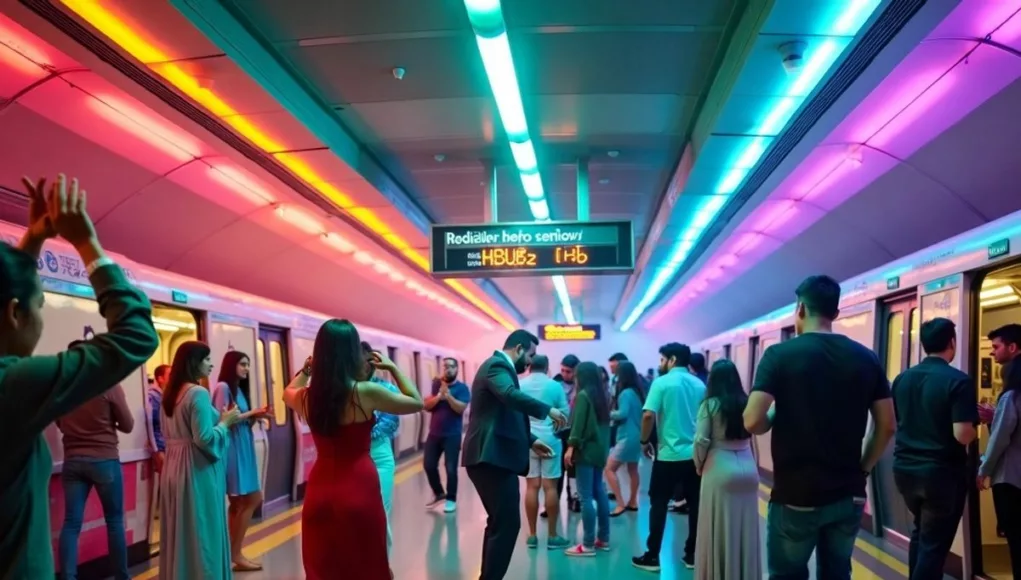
(916, 103)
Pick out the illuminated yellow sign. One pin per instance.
(555, 332)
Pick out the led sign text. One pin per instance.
(532, 249)
(559, 332)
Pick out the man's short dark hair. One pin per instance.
(1008, 334)
(820, 295)
(522, 338)
(570, 361)
(697, 363)
(451, 359)
(678, 351)
(160, 371)
(540, 364)
(937, 334)
(618, 357)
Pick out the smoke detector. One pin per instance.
(792, 55)
(399, 72)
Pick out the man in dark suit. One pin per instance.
(497, 443)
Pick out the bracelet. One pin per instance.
(97, 264)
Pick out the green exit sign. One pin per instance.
(178, 297)
(893, 283)
(999, 248)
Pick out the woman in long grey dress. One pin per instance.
(193, 484)
(728, 545)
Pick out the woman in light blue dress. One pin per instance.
(627, 415)
(193, 520)
(243, 488)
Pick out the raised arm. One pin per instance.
(38, 389)
(501, 383)
(459, 404)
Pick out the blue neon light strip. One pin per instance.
(486, 17)
(818, 62)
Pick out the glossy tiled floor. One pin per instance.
(432, 545)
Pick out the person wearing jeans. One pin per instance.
(92, 460)
(449, 399)
(589, 443)
(815, 392)
(936, 417)
(672, 407)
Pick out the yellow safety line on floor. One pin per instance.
(874, 551)
(279, 537)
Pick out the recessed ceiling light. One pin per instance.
(604, 181)
(399, 72)
(613, 153)
(439, 157)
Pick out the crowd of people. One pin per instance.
(815, 392)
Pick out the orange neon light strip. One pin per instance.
(120, 33)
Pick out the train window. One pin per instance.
(914, 356)
(174, 326)
(894, 344)
(276, 369)
(260, 361)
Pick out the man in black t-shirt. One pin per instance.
(936, 417)
(815, 392)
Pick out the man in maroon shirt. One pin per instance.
(92, 459)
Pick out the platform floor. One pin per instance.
(432, 545)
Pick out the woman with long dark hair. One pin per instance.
(727, 545)
(343, 520)
(628, 448)
(589, 443)
(193, 519)
(243, 485)
(37, 389)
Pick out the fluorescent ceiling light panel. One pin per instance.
(486, 17)
(821, 56)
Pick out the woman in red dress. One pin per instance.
(343, 522)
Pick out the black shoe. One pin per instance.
(646, 562)
(576, 506)
(611, 496)
(543, 515)
(689, 561)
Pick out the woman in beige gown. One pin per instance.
(728, 545)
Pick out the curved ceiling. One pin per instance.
(164, 197)
(964, 178)
(378, 119)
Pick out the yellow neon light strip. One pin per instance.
(121, 34)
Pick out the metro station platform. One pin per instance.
(432, 545)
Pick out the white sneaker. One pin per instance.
(450, 507)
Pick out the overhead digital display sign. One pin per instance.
(561, 332)
(524, 249)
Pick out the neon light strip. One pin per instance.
(486, 17)
(918, 96)
(156, 60)
(818, 63)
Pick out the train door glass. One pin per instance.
(272, 354)
(174, 326)
(899, 330)
(998, 306)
